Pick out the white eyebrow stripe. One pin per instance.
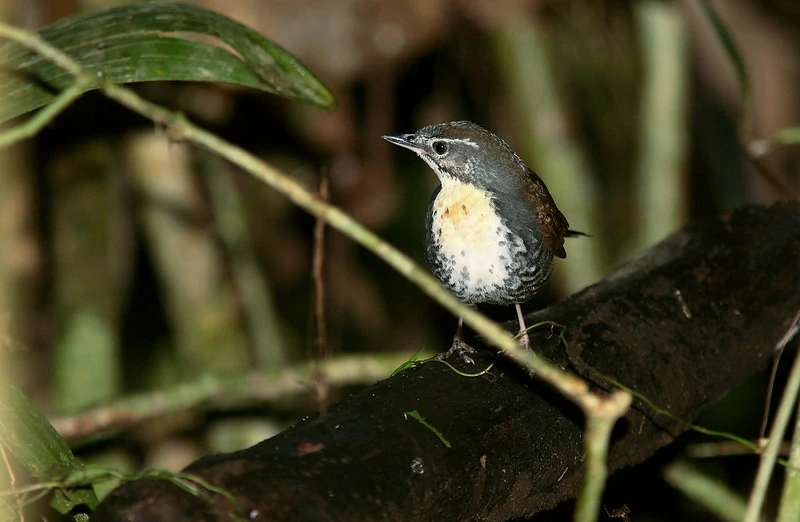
(465, 141)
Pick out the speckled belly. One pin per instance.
(472, 251)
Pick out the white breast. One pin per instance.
(480, 252)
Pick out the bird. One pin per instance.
(492, 228)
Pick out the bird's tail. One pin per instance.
(575, 233)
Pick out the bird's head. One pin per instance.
(465, 152)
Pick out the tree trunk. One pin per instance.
(683, 324)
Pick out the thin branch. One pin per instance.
(319, 380)
(41, 46)
(774, 372)
(318, 266)
(790, 496)
(258, 386)
(601, 415)
(767, 462)
(44, 116)
(707, 491)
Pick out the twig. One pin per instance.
(92, 475)
(38, 44)
(709, 492)
(318, 265)
(752, 446)
(768, 456)
(47, 114)
(774, 371)
(256, 386)
(320, 384)
(790, 496)
(601, 415)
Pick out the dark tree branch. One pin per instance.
(684, 324)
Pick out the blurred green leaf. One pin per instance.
(33, 441)
(729, 45)
(160, 41)
(782, 138)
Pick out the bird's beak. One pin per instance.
(403, 140)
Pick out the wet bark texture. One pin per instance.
(684, 324)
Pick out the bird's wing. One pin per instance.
(553, 224)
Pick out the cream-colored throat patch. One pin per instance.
(463, 210)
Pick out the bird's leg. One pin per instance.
(523, 337)
(459, 346)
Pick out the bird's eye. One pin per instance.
(439, 147)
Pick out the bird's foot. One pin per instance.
(460, 348)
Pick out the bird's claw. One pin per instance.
(461, 348)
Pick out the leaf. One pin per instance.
(729, 45)
(783, 138)
(34, 442)
(414, 414)
(159, 41)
